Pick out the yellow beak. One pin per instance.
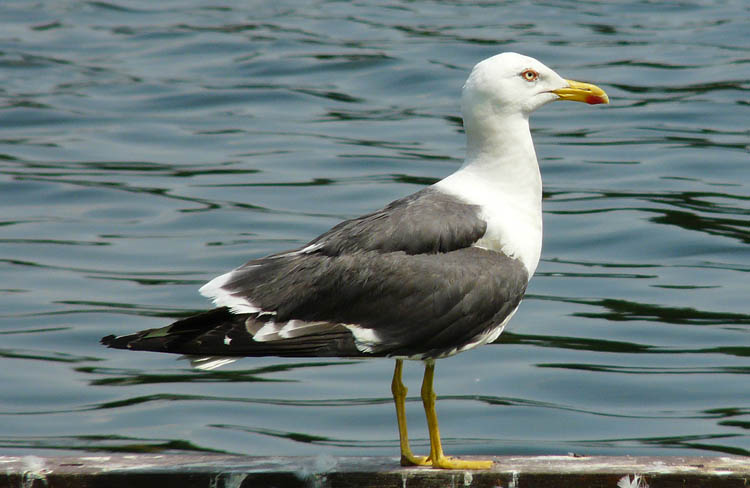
(578, 91)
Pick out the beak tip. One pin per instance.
(597, 99)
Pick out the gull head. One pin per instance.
(514, 84)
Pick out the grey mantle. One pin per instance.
(220, 471)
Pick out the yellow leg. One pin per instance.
(399, 397)
(437, 458)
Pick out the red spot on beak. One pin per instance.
(595, 100)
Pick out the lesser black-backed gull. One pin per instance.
(427, 276)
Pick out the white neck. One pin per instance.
(501, 174)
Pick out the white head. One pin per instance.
(514, 84)
(500, 173)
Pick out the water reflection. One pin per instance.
(105, 443)
(137, 377)
(621, 310)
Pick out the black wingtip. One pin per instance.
(116, 342)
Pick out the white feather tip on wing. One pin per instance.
(214, 290)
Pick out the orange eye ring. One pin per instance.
(529, 75)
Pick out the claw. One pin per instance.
(412, 460)
(454, 463)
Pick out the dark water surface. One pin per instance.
(146, 147)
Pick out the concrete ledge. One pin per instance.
(215, 471)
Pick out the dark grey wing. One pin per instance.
(393, 303)
(428, 221)
(362, 304)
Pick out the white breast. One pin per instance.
(511, 206)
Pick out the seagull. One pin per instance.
(428, 276)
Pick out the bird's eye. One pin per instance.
(529, 75)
